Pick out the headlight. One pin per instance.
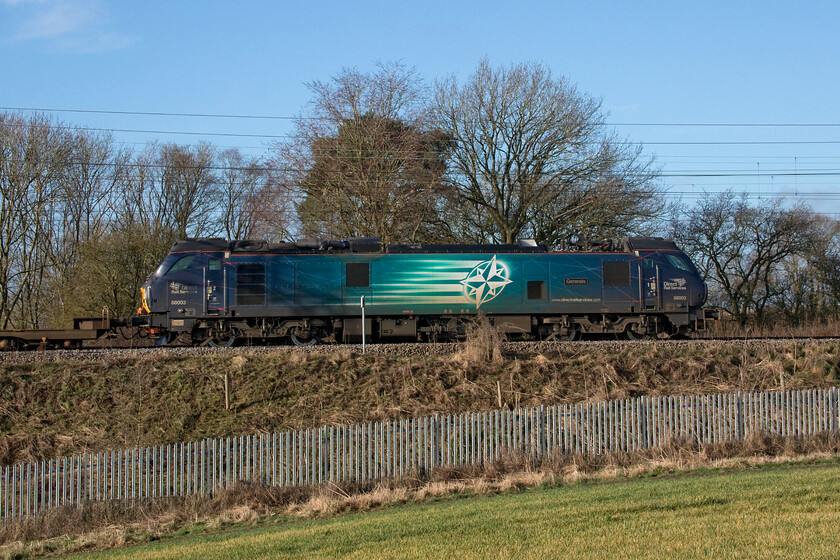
(145, 296)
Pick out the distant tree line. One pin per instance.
(764, 262)
(84, 221)
(507, 153)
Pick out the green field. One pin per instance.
(772, 513)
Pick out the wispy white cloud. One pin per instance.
(19, 2)
(78, 26)
(101, 42)
(59, 19)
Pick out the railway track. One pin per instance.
(395, 349)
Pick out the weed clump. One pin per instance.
(482, 343)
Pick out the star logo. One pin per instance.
(485, 281)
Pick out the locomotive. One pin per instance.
(222, 292)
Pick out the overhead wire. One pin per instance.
(669, 174)
(594, 142)
(669, 160)
(288, 117)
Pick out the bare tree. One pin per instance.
(33, 158)
(172, 191)
(144, 208)
(533, 156)
(96, 169)
(741, 248)
(809, 281)
(242, 183)
(83, 223)
(82, 214)
(364, 158)
(115, 265)
(274, 216)
(168, 192)
(187, 189)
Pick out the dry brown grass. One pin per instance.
(60, 408)
(774, 329)
(482, 343)
(102, 526)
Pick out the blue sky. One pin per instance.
(651, 62)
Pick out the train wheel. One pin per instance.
(573, 334)
(224, 340)
(633, 335)
(312, 341)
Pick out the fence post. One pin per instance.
(541, 446)
(603, 425)
(797, 407)
(33, 484)
(109, 475)
(823, 410)
(819, 398)
(14, 489)
(210, 447)
(6, 493)
(282, 458)
(787, 415)
(437, 441)
(401, 447)
(46, 484)
(363, 452)
(643, 422)
(482, 435)
(20, 492)
(426, 444)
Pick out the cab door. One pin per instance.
(649, 287)
(217, 276)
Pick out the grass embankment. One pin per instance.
(772, 513)
(75, 405)
(80, 404)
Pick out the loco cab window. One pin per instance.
(676, 262)
(181, 264)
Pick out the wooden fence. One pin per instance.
(414, 446)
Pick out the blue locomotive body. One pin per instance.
(220, 291)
